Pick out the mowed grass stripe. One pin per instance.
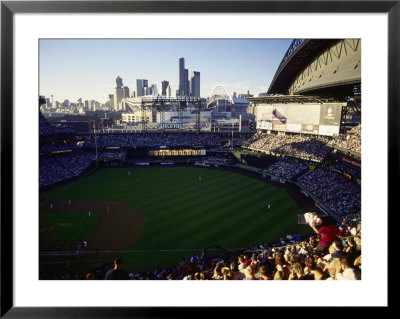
(206, 217)
(131, 195)
(199, 204)
(270, 222)
(235, 220)
(143, 177)
(191, 186)
(155, 210)
(205, 197)
(175, 219)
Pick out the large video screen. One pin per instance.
(322, 119)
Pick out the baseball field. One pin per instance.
(154, 216)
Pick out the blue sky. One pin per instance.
(72, 69)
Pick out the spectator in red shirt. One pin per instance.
(327, 232)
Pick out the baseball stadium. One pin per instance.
(223, 188)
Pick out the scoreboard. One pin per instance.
(178, 152)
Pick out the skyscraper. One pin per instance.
(139, 87)
(118, 81)
(126, 92)
(195, 84)
(111, 99)
(118, 93)
(147, 90)
(154, 90)
(181, 76)
(164, 85)
(186, 82)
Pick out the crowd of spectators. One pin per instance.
(215, 159)
(112, 155)
(352, 141)
(294, 257)
(287, 167)
(45, 128)
(133, 140)
(341, 195)
(301, 146)
(346, 168)
(153, 140)
(54, 169)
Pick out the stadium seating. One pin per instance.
(65, 155)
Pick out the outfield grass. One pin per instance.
(181, 212)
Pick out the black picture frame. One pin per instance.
(9, 8)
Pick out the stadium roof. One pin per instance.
(237, 100)
(284, 99)
(299, 54)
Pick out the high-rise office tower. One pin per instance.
(118, 82)
(168, 91)
(111, 99)
(164, 85)
(118, 93)
(146, 91)
(181, 89)
(186, 82)
(126, 92)
(154, 90)
(195, 84)
(139, 87)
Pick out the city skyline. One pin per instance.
(87, 69)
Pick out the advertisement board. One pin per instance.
(328, 130)
(330, 114)
(279, 127)
(355, 163)
(264, 125)
(264, 112)
(279, 114)
(309, 129)
(303, 113)
(293, 128)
